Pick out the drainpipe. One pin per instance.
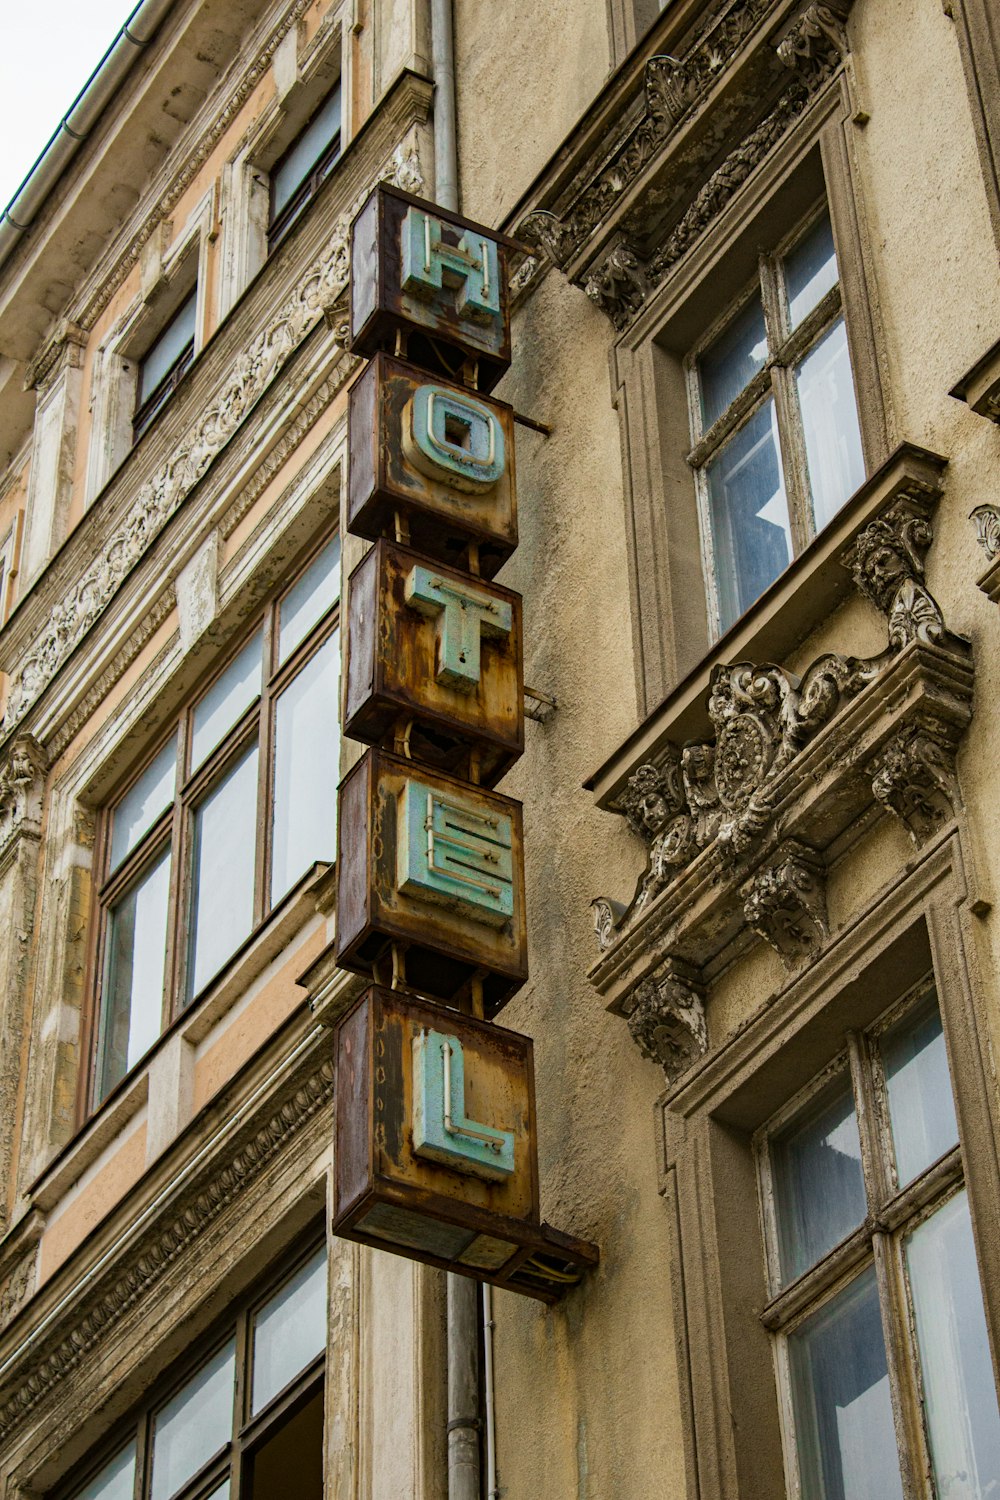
(463, 1388)
(489, 1412)
(463, 1319)
(79, 121)
(445, 140)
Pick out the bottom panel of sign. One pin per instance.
(538, 1261)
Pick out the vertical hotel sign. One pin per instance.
(435, 1123)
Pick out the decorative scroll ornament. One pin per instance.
(987, 519)
(785, 903)
(819, 35)
(723, 792)
(667, 1019)
(914, 778)
(22, 776)
(159, 497)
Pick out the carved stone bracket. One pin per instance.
(914, 777)
(987, 520)
(819, 35)
(736, 826)
(22, 781)
(666, 1017)
(785, 903)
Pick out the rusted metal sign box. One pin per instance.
(435, 866)
(437, 280)
(435, 1145)
(436, 457)
(434, 649)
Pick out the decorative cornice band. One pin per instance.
(160, 497)
(78, 1334)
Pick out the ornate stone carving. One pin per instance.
(79, 1331)
(712, 198)
(15, 1287)
(606, 915)
(785, 903)
(987, 519)
(724, 792)
(157, 500)
(619, 285)
(666, 1018)
(622, 282)
(820, 34)
(22, 781)
(672, 88)
(914, 777)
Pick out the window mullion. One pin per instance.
(175, 908)
(904, 1377)
(874, 1147)
(143, 1452)
(265, 773)
(791, 441)
(241, 1404)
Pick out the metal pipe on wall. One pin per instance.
(463, 1388)
(445, 132)
(463, 1320)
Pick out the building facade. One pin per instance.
(756, 370)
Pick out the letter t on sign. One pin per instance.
(466, 614)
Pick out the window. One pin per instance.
(164, 365)
(228, 815)
(777, 441)
(248, 1421)
(298, 174)
(881, 1344)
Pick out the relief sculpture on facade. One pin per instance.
(728, 797)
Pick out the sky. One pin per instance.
(49, 51)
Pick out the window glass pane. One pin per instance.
(222, 1493)
(140, 807)
(132, 995)
(846, 1446)
(115, 1481)
(194, 1425)
(223, 871)
(751, 534)
(308, 600)
(323, 128)
(289, 1331)
(306, 746)
(732, 361)
(819, 1192)
(959, 1392)
(921, 1108)
(289, 1465)
(810, 270)
(226, 700)
(830, 419)
(166, 350)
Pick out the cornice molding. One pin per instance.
(736, 826)
(625, 199)
(38, 1370)
(71, 618)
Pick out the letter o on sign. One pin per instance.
(455, 439)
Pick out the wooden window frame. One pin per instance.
(248, 1432)
(280, 225)
(174, 829)
(814, 162)
(786, 349)
(723, 1302)
(877, 1242)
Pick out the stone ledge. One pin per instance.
(979, 387)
